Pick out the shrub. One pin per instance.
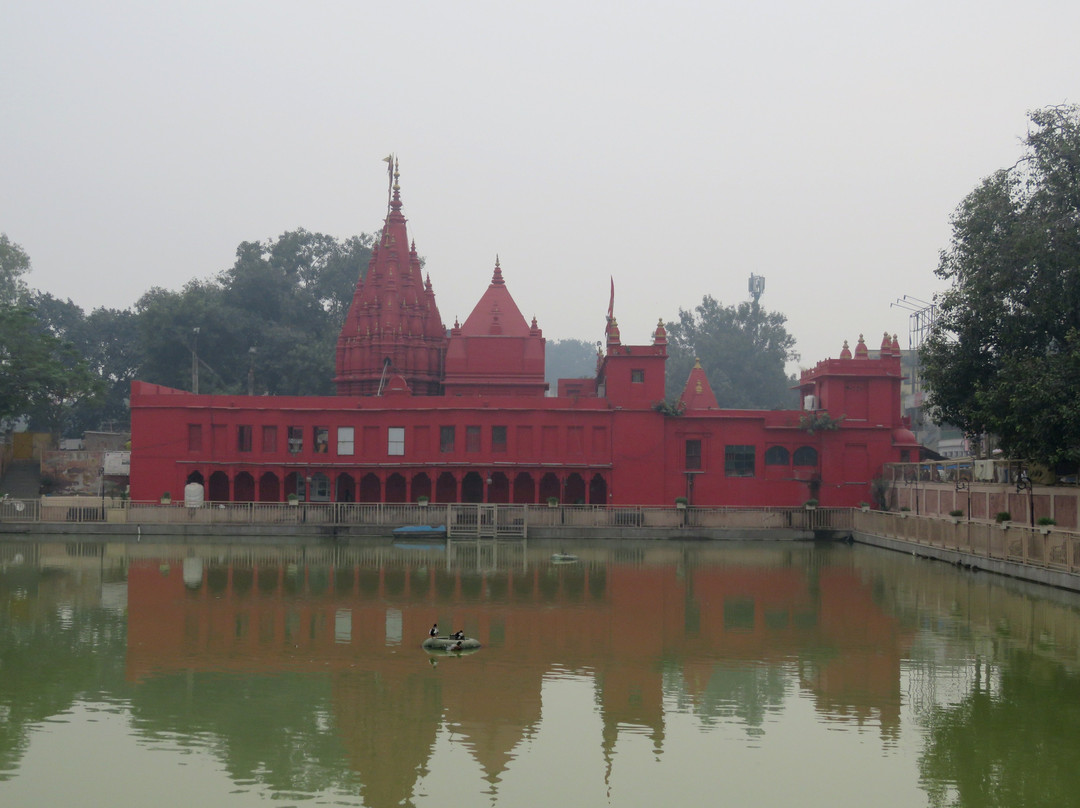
(904, 509)
(1046, 520)
(1003, 516)
(956, 512)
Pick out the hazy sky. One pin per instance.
(676, 146)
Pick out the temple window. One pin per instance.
(395, 440)
(446, 439)
(637, 376)
(194, 437)
(320, 438)
(269, 439)
(739, 461)
(777, 456)
(805, 456)
(472, 439)
(498, 439)
(345, 440)
(243, 438)
(693, 454)
(296, 439)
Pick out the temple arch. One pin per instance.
(524, 489)
(575, 489)
(320, 488)
(777, 456)
(472, 487)
(294, 484)
(421, 486)
(269, 488)
(244, 487)
(805, 456)
(498, 488)
(345, 491)
(446, 488)
(395, 488)
(370, 489)
(219, 487)
(598, 490)
(549, 487)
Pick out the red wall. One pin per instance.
(616, 450)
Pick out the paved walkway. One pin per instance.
(22, 480)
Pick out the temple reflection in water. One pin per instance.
(306, 664)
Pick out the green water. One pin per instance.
(641, 674)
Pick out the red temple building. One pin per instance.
(463, 415)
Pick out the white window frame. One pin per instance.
(395, 441)
(346, 440)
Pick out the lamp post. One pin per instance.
(962, 485)
(1023, 483)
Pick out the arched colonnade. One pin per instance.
(401, 486)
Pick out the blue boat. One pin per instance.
(420, 532)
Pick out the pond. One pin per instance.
(634, 674)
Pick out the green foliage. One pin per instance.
(71, 372)
(41, 376)
(1003, 516)
(14, 264)
(107, 341)
(569, 359)
(956, 512)
(812, 422)
(42, 373)
(287, 298)
(1004, 357)
(670, 408)
(1045, 521)
(743, 350)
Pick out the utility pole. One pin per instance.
(195, 360)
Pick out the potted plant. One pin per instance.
(681, 502)
(1003, 518)
(904, 511)
(864, 506)
(293, 499)
(956, 515)
(423, 501)
(1045, 523)
(810, 504)
(553, 502)
(166, 498)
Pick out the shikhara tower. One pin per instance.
(393, 327)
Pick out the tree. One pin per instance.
(569, 359)
(1004, 355)
(41, 376)
(287, 298)
(742, 349)
(14, 263)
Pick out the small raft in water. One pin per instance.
(446, 643)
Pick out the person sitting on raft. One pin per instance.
(434, 630)
(458, 635)
(456, 646)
